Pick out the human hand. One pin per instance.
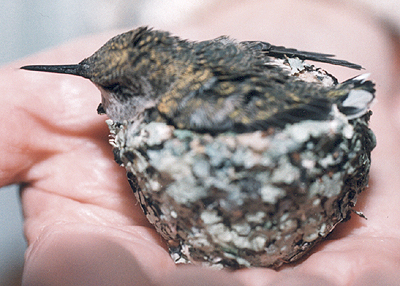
(82, 222)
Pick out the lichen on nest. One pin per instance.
(252, 199)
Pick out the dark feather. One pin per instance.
(282, 52)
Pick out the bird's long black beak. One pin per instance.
(78, 69)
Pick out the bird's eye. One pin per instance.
(112, 87)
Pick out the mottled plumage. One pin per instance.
(211, 86)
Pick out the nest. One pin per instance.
(246, 200)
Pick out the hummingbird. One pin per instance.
(211, 86)
(239, 153)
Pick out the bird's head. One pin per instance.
(127, 70)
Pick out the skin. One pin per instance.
(82, 222)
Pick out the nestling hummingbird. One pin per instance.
(239, 153)
(211, 86)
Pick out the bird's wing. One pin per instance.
(282, 52)
(243, 103)
(224, 90)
